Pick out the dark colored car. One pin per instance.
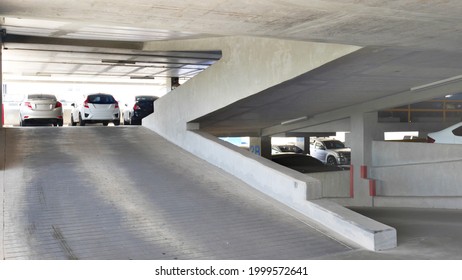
(142, 107)
(303, 163)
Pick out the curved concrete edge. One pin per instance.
(295, 190)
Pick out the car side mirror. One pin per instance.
(73, 105)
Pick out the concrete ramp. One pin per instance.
(127, 193)
(250, 65)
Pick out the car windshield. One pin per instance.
(335, 144)
(145, 98)
(40, 97)
(290, 148)
(101, 99)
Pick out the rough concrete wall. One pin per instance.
(413, 170)
(334, 184)
(248, 66)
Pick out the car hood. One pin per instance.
(342, 150)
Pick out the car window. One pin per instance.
(145, 98)
(290, 148)
(40, 96)
(457, 131)
(101, 99)
(334, 144)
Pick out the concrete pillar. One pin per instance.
(306, 146)
(266, 147)
(2, 35)
(363, 132)
(260, 146)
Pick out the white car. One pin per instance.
(41, 109)
(96, 108)
(450, 135)
(330, 151)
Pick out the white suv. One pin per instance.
(330, 151)
(96, 108)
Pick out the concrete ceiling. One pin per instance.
(407, 43)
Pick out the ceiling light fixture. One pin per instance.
(437, 83)
(114, 61)
(294, 120)
(142, 77)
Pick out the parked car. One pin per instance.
(330, 151)
(141, 108)
(450, 135)
(303, 163)
(96, 108)
(41, 109)
(277, 149)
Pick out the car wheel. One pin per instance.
(117, 122)
(105, 123)
(331, 161)
(73, 123)
(60, 122)
(81, 122)
(22, 123)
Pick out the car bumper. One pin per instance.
(101, 117)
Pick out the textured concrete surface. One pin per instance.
(423, 234)
(126, 193)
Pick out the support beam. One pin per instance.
(414, 95)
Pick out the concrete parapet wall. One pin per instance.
(334, 184)
(417, 174)
(271, 178)
(299, 191)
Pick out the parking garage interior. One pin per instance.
(163, 189)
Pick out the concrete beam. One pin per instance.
(413, 95)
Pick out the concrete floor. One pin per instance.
(126, 193)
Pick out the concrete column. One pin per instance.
(1, 76)
(306, 147)
(2, 150)
(363, 132)
(266, 147)
(260, 146)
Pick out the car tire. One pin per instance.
(81, 122)
(60, 122)
(22, 123)
(73, 123)
(331, 161)
(105, 123)
(117, 122)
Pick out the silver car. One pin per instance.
(96, 108)
(41, 109)
(330, 151)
